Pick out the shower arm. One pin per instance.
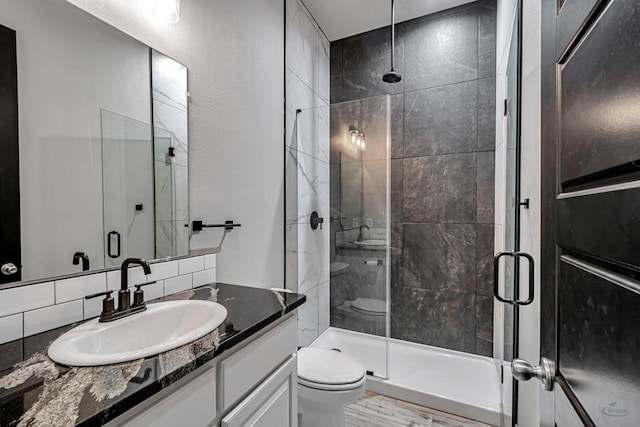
(393, 35)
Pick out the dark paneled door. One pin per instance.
(590, 318)
(10, 262)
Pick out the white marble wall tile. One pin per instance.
(177, 284)
(164, 187)
(210, 261)
(10, 328)
(312, 188)
(324, 68)
(55, 316)
(80, 287)
(182, 234)
(313, 132)
(181, 174)
(308, 318)
(313, 257)
(323, 307)
(299, 97)
(204, 277)
(165, 239)
(191, 265)
(302, 44)
(169, 80)
(175, 122)
(23, 298)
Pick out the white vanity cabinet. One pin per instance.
(253, 384)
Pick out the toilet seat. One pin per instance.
(328, 370)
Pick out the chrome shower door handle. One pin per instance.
(9, 269)
(544, 372)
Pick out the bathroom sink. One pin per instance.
(162, 327)
(371, 243)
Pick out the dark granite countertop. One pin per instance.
(38, 392)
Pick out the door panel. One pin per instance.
(590, 322)
(604, 226)
(9, 163)
(571, 17)
(599, 123)
(598, 340)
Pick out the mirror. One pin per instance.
(95, 164)
(350, 189)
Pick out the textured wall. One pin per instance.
(235, 55)
(442, 168)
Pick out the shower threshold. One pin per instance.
(459, 383)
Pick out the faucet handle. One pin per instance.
(138, 295)
(108, 304)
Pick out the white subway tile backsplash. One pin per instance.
(55, 316)
(177, 284)
(163, 270)
(204, 277)
(93, 307)
(79, 287)
(191, 265)
(210, 261)
(23, 298)
(136, 276)
(154, 291)
(10, 328)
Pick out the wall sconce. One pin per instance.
(358, 138)
(167, 11)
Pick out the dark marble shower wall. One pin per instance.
(442, 168)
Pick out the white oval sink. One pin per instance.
(161, 327)
(371, 243)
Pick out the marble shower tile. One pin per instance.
(366, 58)
(308, 318)
(313, 256)
(397, 178)
(169, 81)
(164, 193)
(309, 130)
(324, 68)
(165, 239)
(442, 319)
(336, 94)
(440, 257)
(484, 257)
(486, 187)
(312, 188)
(440, 189)
(441, 120)
(484, 317)
(441, 49)
(291, 256)
(397, 126)
(487, 114)
(302, 41)
(181, 176)
(487, 38)
(323, 307)
(176, 123)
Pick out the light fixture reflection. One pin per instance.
(167, 11)
(357, 137)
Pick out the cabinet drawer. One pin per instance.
(192, 401)
(242, 371)
(273, 403)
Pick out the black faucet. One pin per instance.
(124, 295)
(361, 235)
(85, 260)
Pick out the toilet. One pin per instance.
(327, 382)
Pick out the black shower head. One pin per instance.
(392, 77)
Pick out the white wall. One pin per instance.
(235, 54)
(529, 392)
(68, 69)
(529, 396)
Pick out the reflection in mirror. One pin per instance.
(350, 188)
(101, 141)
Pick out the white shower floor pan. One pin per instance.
(458, 383)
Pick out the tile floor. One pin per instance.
(376, 410)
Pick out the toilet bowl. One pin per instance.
(327, 382)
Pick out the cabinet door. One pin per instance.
(191, 403)
(273, 403)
